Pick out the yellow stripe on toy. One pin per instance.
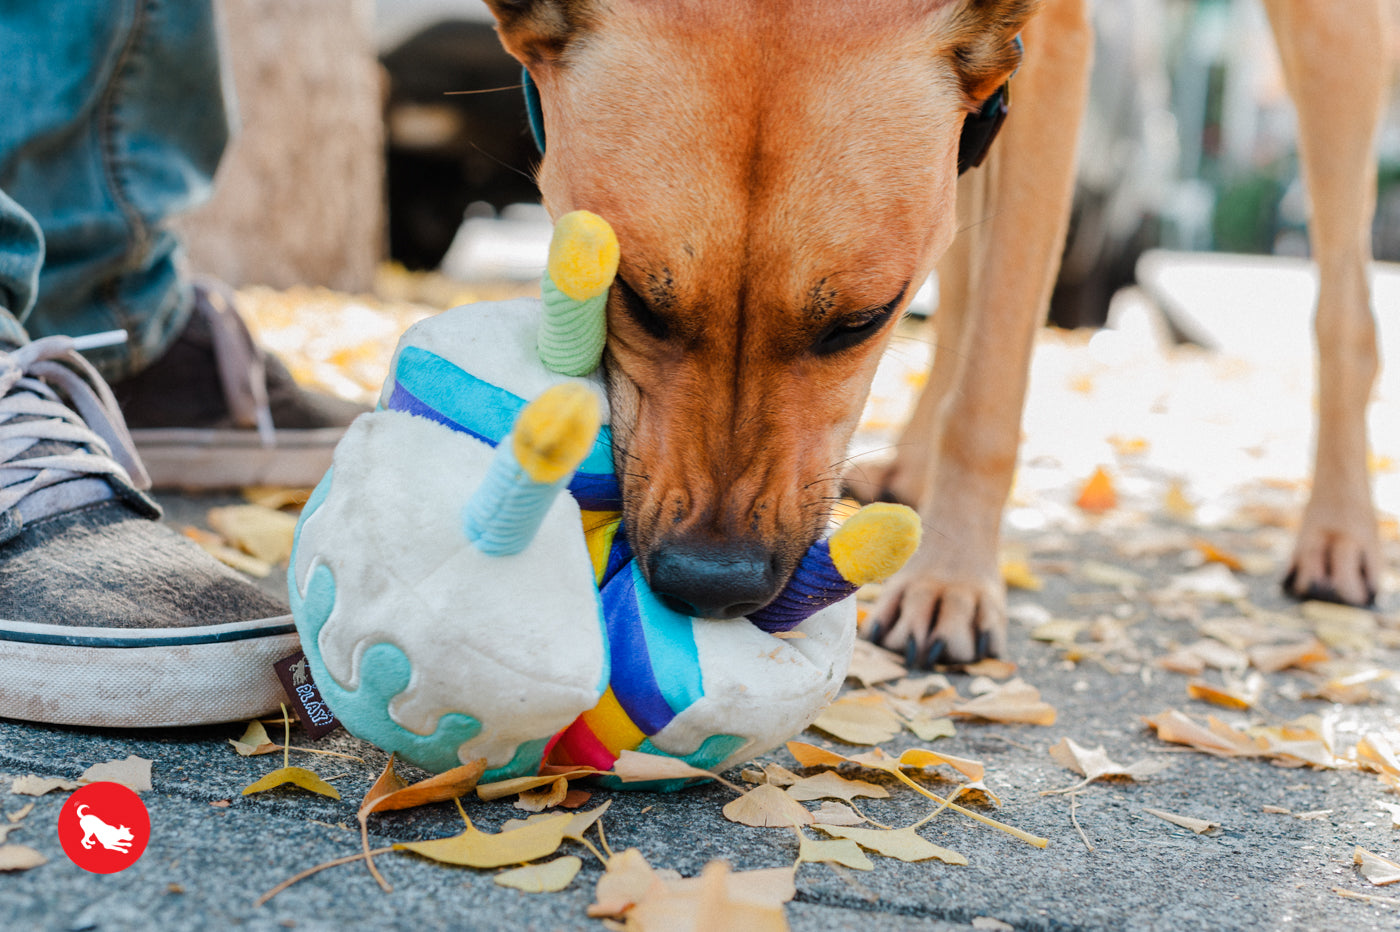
(875, 542)
(555, 432)
(583, 257)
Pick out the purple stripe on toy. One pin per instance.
(401, 399)
(815, 585)
(633, 681)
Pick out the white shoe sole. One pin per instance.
(134, 678)
(184, 458)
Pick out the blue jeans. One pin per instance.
(112, 118)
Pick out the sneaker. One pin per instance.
(109, 618)
(216, 412)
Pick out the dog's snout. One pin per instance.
(713, 580)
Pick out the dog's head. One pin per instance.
(780, 175)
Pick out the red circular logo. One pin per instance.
(104, 827)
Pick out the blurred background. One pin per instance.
(393, 131)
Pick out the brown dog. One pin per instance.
(783, 173)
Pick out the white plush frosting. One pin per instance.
(513, 641)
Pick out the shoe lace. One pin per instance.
(242, 370)
(63, 440)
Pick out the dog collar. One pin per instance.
(978, 132)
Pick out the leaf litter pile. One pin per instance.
(1134, 447)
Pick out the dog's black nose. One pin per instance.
(711, 580)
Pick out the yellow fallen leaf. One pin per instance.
(779, 775)
(1214, 738)
(770, 886)
(544, 797)
(1058, 630)
(1354, 689)
(1199, 826)
(579, 822)
(1342, 627)
(19, 858)
(634, 766)
(841, 851)
(859, 720)
(502, 788)
(829, 785)
(214, 545)
(1218, 695)
(20, 813)
(834, 813)
(931, 729)
(871, 664)
(1212, 554)
(1114, 577)
(1016, 572)
(264, 533)
(809, 755)
(475, 848)
(30, 785)
(767, 806)
(1394, 811)
(1271, 659)
(132, 772)
(1094, 764)
(902, 844)
(994, 667)
(390, 792)
(254, 741)
(1380, 871)
(298, 776)
(549, 877)
(625, 881)
(1177, 505)
(1097, 495)
(1016, 701)
(702, 906)
(276, 496)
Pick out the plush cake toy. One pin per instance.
(462, 583)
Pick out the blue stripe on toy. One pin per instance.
(633, 682)
(480, 408)
(655, 660)
(429, 386)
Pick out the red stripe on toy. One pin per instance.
(578, 745)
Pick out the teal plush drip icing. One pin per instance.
(573, 332)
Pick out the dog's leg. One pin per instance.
(948, 603)
(1336, 66)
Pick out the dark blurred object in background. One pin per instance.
(446, 150)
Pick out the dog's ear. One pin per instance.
(983, 42)
(539, 30)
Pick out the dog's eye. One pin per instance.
(640, 312)
(855, 330)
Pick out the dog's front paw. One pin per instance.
(1337, 557)
(932, 612)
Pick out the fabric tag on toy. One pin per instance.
(316, 717)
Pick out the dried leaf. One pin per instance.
(833, 813)
(19, 814)
(770, 886)
(254, 741)
(276, 496)
(1354, 689)
(1016, 572)
(549, 877)
(1217, 738)
(809, 755)
(19, 858)
(475, 848)
(903, 844)
(829, 785)
(767, 806)
(30, 785)
(1271, 659)
(860, 720)
(264, 533)
(841, 851)
(544, 797)
(994, 667)
(1094, 764)
(1240, 696)
(626, 880)
(132, 772)
(1341, 626)
(914, 688)
(871, 664)
(707, 903)
(1212, 554)
(1380, 871)
(502, 788)
(1394, 811)
(1199, 826)
(931, 729)
(390, 792)
(1058, 631)
(634, 766)
(579, 822)
(1097, 495)
(1114, 577)
(1212, 581)
(779, 775)
(1016, 701)
(214, 545)
(298, 776)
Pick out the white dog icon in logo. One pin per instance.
(112, 837)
